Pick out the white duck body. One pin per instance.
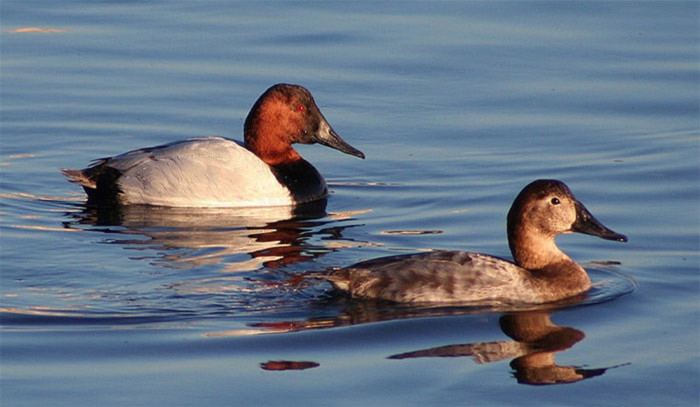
(197, 172)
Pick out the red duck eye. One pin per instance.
(301, 108)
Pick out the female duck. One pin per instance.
(541, 273)
(215, 171)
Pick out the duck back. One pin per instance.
(439, 276)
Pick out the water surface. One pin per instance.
(457, 106)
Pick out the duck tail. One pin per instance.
(339, 278)
(80, 177)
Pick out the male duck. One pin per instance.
(217, 172)
(541, 273)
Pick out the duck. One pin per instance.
(541, 273)
(264, 170)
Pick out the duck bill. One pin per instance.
(588, 224)
(328, 137)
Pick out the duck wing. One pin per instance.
(440, 276)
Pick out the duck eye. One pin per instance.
(555, 201)
(301, 108)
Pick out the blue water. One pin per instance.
(457, 106)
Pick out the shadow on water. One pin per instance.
(187, 238)
(535, 342)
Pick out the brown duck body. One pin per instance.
(541, 272)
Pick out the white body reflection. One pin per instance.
(240, 239)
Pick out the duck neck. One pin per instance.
(266, 134)
(269, 149)
(542, 257)
(532, 251)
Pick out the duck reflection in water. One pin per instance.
(280, 365)
(241, 239)
(536, 341)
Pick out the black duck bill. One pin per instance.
(588, 224)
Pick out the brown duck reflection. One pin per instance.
(536, 340)
(238, 238)
(280, 365)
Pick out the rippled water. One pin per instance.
(457, 106)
